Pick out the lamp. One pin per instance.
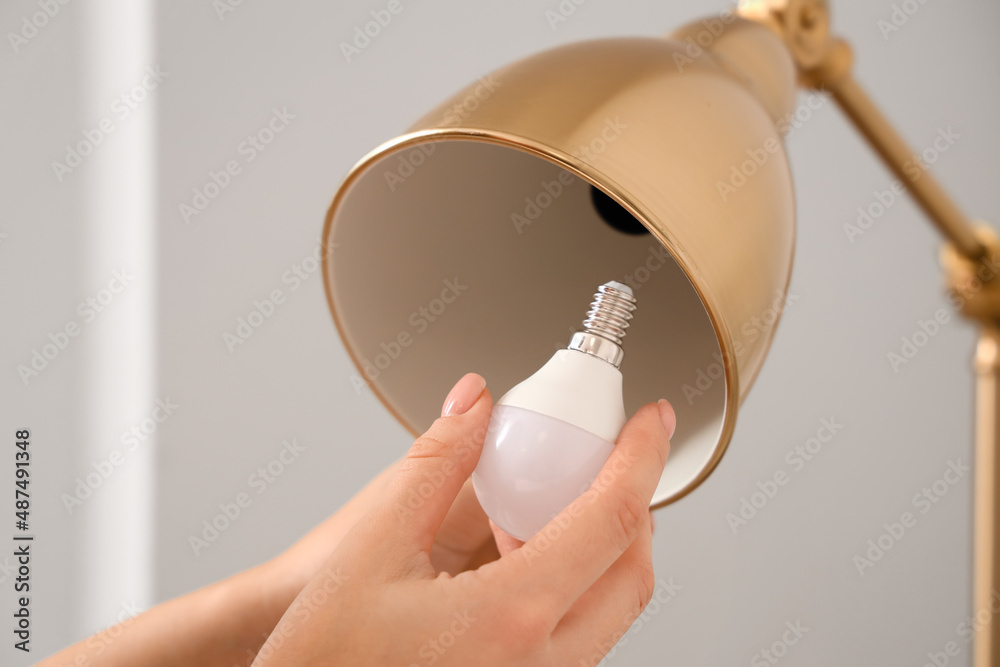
(474, 240)
(496, 214)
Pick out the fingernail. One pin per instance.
(464, 395)
(667, 416)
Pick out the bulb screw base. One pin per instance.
(606, 323)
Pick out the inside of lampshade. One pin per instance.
(460, 255)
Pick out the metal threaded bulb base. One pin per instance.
(610, 311)
(606, 323)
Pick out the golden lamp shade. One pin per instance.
(475, 241)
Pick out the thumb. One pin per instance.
(433, 471)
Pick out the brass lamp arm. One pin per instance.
(824, 63)
(969, 251)
(834, 75)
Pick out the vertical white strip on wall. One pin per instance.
(120, 383)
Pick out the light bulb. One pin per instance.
(550, 435)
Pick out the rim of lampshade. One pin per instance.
(582, 170)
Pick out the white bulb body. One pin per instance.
(547, 440)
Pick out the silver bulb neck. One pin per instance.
(606, 323)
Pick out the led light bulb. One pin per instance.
(550, 435)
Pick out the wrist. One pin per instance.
(243, 610)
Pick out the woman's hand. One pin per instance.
(395, 593)
(224, 624)
(397, 564)
(465, 540)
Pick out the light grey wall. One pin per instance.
(78, 269)
(793, 562)
(39, 270)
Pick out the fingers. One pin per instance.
(606, 611)
(584, 540)
(464, 533)
(433, 471)
(505, 542)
